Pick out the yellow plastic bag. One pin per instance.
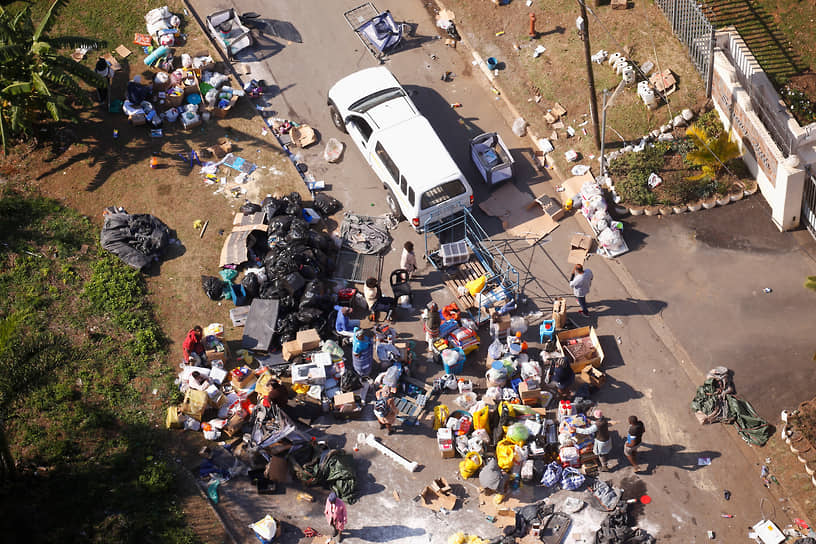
(441, 414)
(262, 385)
(470, 465)
(173, 420)
(194, 403)
(505, 453)
(300, 388)
(475, 287)
(481, 418)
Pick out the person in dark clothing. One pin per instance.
(633, 440)
(563, 376)
(278, 394)
(603, 440)
(103, 68)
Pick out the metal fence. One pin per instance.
(809, 204)
(693, 28)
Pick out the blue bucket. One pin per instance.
(492, 63)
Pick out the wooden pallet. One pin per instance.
(411, 409)
(464, 273)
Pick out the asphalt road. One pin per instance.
(658, 338)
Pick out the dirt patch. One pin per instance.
(806, 83)
(557, 74)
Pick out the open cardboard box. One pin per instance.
(580, 245)
(438, 495)
(577, 366)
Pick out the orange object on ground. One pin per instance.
(533, 32)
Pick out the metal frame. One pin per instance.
(693, 28)
(463, 226)
(361, 15)
(809, 204)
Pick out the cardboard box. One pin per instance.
(529, 395)
(447, 451)
(223, 112)
(343, 398)
(248, 380)
(436, 500)
(594, 377)
(580, 245)
(577, 366)
(559, 314)
(290, 349)
(308, 339)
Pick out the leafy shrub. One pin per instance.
(157, 478)
(634, 169)
(711, 124)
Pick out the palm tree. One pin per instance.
(710, 154)
(37, 82)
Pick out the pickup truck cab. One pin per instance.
(422, 181)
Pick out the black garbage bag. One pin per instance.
(273, 207)
(298, 231)
(250, 207)
(319, 240)
(294, 204)
(213, 286)
(270, 290)
(308, 271)
(307, 316)
(279, 226)
(252, 285)
(326, 205)
(350, 380)
(313, 295)
(293, 282)
(137, 239)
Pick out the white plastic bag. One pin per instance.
(333, 151)
(520, 127)
(494, 351)
(518, 324)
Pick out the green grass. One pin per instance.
(76, 330)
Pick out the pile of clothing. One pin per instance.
(715, 401)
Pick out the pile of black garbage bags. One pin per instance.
(292, 264)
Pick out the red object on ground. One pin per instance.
(532, 32)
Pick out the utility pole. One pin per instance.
(603, 134)
(583, 28)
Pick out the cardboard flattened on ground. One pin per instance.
(580, 245)
(122, 51)
(503, 512)
(234, 250)
(572, 186)
(114, 64)
(260, 324)
(518, 217)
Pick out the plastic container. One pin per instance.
(492, 63)
(454, 253)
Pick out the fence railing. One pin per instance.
(693, 28)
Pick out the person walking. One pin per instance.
(335, 512)
(431, 321)
(581, 281)
(634, 438)
(408, 260)
(603, 440)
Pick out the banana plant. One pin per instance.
(37, 81)
(710, 154)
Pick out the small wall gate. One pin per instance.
(693, 28)
(809, 204)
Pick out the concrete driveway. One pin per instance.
(658, 340)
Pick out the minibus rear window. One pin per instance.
(441, 193)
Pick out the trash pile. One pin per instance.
(189, 90)
(608, 232)
(287, 262)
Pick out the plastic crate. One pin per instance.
(457, 368)
(454, 253)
